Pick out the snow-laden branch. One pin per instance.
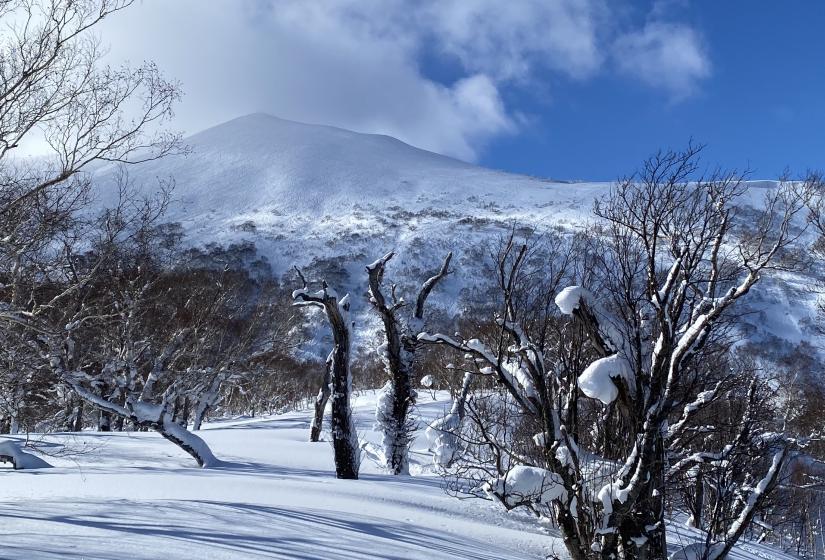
(703, 399)
(526, 485)
(754, 500)
(429, 285)
(148, 415)
(492, 365)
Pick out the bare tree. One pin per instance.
(54, 88)
(130, 341)
(673, 263)
(533, 397)
(344, 435)
(668, 318)
(52, 83)
(398, 353)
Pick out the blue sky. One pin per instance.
(570, 89)
(762, 106)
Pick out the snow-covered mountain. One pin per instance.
(333, 200)
(260, 164)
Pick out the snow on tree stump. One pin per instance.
(10, 452)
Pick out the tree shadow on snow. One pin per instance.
(227, 529)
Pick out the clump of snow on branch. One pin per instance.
(572, 298)
(569, 299)
(596, 381)
(526, 484)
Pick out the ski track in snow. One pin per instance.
(136, 496)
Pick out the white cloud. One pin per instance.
(510, 41)
(357, 63)
(669, 56)
(335, 63)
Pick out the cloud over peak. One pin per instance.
(360, 64)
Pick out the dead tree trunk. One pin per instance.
(398, 396)
(321, 400)
(344, 435)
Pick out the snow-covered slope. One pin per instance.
(333, 200)
(135, 495)
(302, 191)
(258, 162)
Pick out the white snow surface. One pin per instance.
(137, 496)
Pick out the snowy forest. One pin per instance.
(600, 390)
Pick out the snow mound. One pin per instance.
(10, 451)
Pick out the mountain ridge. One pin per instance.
(332, 200)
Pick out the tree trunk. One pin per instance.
(200, 416)
(77, 423)
(184, 415)
(400, 427)
(344, 436)
(640, 534)
(104, 418)
(398, 396)
(321, 403)
(180, 412)
(104, 422)
(14, 425)
(397, 399)
(698, 498)
(186, 440)
(206, 400)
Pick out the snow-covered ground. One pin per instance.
(136, 496)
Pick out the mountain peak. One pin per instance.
(260, 161)
(264, 126)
